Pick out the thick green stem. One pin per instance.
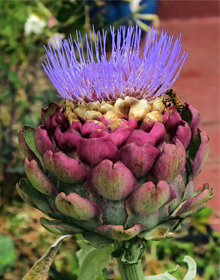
(129, 271)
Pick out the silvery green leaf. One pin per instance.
(40, 269)
(191, 273)
(92, 260)
(164, 276)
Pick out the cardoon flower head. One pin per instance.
(118, 159)
(94, 77)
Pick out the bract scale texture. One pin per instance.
(113, 170)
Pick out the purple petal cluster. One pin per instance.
(94, 77)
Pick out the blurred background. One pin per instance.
(25, 89)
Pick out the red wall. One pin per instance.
(185, 9)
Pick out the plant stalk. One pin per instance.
(129, 271)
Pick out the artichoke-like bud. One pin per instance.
(121, 166)
(114, 183)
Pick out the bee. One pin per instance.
(174, 99)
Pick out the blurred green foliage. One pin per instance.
(7, 253)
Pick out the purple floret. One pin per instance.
(94, 77)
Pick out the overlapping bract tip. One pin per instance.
(87, 74)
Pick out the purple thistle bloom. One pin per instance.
(126, 73)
